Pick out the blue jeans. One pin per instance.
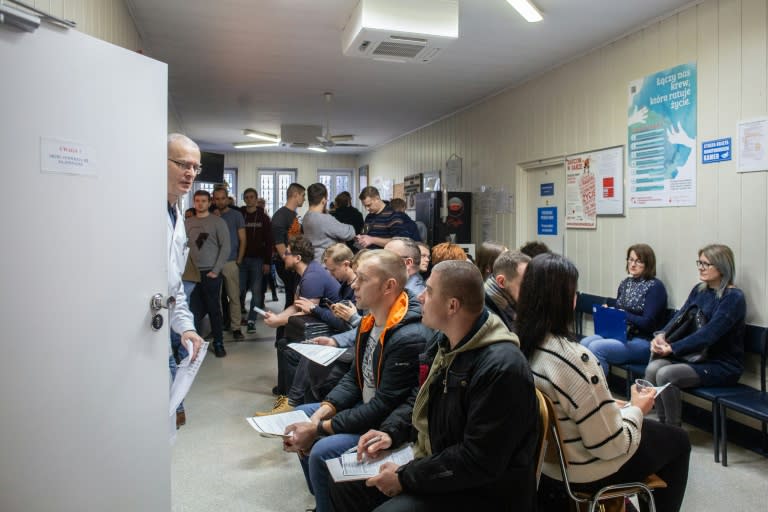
(315, 470)
(251, 275)
(610, 351)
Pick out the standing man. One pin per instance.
(322, 228)
(475, 420)
(231, 269)
(209, 248)
(258, 254)
(285, 224)
(183, 166)
(382, 222)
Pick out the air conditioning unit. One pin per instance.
(401, 30)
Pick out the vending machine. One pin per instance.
(454, 222)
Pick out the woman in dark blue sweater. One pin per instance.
(644, 299)
(724, 307)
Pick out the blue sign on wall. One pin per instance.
(547, 189)
(718, 150)
(547, 221)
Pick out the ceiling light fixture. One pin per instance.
(527, 10)
(261, 136)
(248, 145)
(18, 18)
(319, 149)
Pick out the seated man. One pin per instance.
(385, 370)
(502, 287)
(315, 284)
(409, 251)
(475, 421)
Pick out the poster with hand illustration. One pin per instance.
(661, 144)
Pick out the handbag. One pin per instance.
(685, 324)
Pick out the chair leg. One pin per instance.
(724, 435)
(716, 429)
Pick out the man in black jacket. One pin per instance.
(385, 370)
(474, 422)
(502, 287)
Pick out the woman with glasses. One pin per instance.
(722, 336)
(643, 297)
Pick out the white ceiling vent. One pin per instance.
(401, 30)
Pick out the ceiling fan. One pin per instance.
(327, 139)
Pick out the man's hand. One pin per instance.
(387, 481)
(343, 311)
(195, 340)
(212, 274)
(304, 305)
(364, 240)
(272, 320)
(304, 434)
(265, 269)
(325, 340)
(372, 443)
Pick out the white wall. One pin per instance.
(582, 106)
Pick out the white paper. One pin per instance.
(185, 376)
(260, 311)
(320, 354)
(274, 425)
(346, 468)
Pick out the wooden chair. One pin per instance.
(609, 498)
(544, 420)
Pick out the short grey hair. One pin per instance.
(721, 256)
(182, 140)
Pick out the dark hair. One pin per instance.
(294, 189)
(372, 192)
(221, 188)
(249, 190)
(545, 304)
(397, 204)
(507, 262)
(644, 254)
(343, 200)
(534, 248)
(316, 193)
(203, 193)
(462, 280)
(485, 256)
(301, 246)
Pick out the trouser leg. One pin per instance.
(679, 376)
(231, 275)
(211, 288)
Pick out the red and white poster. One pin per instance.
(594, 186)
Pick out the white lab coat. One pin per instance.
(179, 316)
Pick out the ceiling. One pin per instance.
(257, 64)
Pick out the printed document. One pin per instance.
(346, 468)
(275, 424)
(321, 354)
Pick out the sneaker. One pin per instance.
(281, 405)
(218, 351)
(251, 327)
(238, 334)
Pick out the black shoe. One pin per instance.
(219, 351)
(276, 391)
(238, 334)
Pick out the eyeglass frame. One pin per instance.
(637, 261)
(196, 168)
(703, 265)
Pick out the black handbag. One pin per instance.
(685, 324)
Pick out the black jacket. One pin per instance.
(395, 364)
(483, 424)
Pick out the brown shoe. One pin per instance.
(181, 419)
(281, 405)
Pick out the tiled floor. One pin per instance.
(220, 463)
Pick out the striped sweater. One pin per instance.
(598, 436)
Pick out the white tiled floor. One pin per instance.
(221, 464)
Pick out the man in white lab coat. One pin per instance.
(183, 166)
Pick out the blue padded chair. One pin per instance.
(752, 402)
(584, 303)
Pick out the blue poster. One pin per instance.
(547, 221)
(718, 150)
(661, 145)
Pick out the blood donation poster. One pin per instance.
(661, 145)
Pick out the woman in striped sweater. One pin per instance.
(604, 442)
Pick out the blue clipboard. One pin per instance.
(610, 322)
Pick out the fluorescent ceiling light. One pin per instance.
(527, 10)
(319, 149)
(261, 136)
(18, 18)
(247, 145)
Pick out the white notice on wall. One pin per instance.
(66, 157)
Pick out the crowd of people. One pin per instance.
(447, 353)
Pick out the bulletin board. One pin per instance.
(594, 186)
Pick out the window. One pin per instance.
(273, 187)
(337, 181)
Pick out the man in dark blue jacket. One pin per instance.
(387, 347)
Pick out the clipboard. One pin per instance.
(610, 323)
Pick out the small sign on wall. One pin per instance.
(547, 221)
(65, 157)
(547, 189)
(718, 150)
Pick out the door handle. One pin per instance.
(157, 302)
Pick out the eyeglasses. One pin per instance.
(197, 168)
(703, 265)
(631, 261)
(288, 253)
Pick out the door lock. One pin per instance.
(156, 303)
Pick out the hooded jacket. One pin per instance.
(395, 369)
(476, 422)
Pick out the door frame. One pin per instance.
(522, 180)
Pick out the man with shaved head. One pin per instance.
(474, 421)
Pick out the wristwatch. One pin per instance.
(320, 430)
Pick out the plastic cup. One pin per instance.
(644, 386)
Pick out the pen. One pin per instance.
(368, 443)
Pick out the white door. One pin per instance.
(83, 378)
(546, 206)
